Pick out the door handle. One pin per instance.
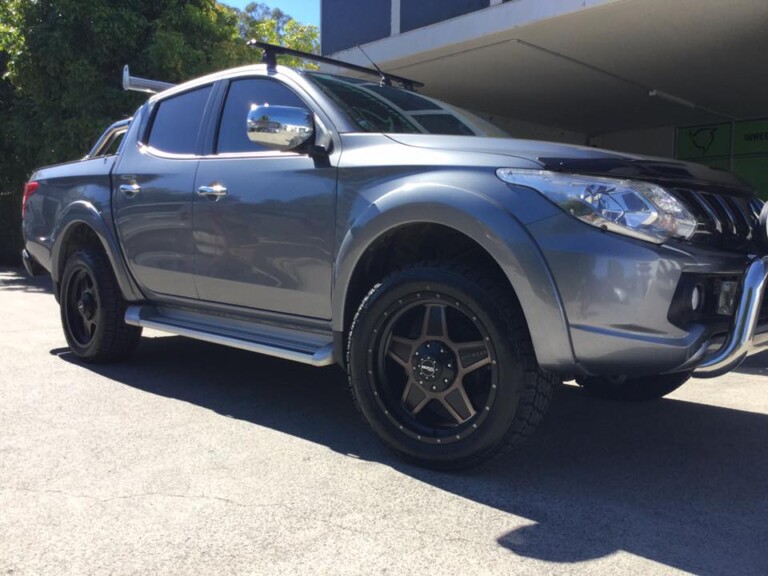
(213, 192)
(130, 190)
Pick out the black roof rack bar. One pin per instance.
(271, 51)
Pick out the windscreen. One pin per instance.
(376, 108)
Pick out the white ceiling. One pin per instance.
(590, 71)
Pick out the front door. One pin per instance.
(263, 220)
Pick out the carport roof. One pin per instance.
(588, 66)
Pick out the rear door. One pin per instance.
(154, 187)
(266, 242)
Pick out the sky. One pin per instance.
(305, 11)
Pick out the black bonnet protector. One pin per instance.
(668, 173)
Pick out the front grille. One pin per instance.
(724, 221)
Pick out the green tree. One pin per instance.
(66, 61)
(260, 22)
(61, 60)
(13, 155)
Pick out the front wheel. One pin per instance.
(93, 309)
(442, 367)
(639, 389)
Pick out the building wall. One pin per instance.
(347, 23)
(649, 141)
(741, 147)
(418, 13)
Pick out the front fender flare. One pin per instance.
(491, 226)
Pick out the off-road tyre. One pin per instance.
(93, 310)
(504, 399)
(641, 389)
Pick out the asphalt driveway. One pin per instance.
(197, 459)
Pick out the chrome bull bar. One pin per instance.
(742, 339)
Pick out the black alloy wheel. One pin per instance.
(442, 367)
(93, 310)
(434, 368)
(82, 307)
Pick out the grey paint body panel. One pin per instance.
(269, 242)
(384, 185)
(155, 225)
(73, 194)
(286, 242)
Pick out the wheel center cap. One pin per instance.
(428, 368)
(85, 306)
(434, 366)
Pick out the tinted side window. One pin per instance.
(177, 122)
(242, 94)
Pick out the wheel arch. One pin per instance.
(464, 219)
(82, 225)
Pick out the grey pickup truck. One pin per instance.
(456, 273)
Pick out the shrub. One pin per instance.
(10, 229)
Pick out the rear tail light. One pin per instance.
(29, 189)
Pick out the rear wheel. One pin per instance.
(442, 368)
(633, 389)
(93, 310)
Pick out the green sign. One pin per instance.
(755, 171)
(701, 142)
(711, 145)
(751, 138)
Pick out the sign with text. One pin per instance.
(751, 138)
(746, 155)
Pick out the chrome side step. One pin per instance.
(290, 344)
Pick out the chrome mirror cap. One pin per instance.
(279, 127)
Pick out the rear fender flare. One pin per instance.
(83, 212)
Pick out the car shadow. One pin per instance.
(16, 279)
(678, 483)
(756, 364)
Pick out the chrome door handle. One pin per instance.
(130, 190)
(214, 192)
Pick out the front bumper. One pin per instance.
(746, 335)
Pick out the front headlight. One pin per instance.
(638, 209)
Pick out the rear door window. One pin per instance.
(177, 122)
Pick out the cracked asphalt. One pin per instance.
(196, 459)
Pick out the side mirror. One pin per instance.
(279, 127)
